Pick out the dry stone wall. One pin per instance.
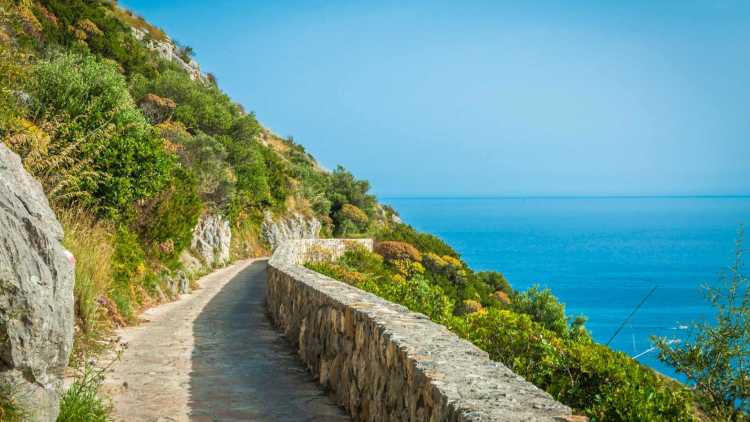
(385, 363)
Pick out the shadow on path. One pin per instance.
(243, 369)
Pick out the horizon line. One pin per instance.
(593, 196)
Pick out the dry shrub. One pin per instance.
(394, 250)
(501, 297)
(157, 109)
(318, 253)
(55, 162)
(469, 307)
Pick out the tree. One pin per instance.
(716, 357)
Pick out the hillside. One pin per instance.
(151, 168)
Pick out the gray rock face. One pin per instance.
(293, 226)
(36, 293)
(384, 363)
(168, 51)
(212, 238)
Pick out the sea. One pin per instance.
(601, 256)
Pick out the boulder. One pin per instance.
(36, 293)
(288, 227)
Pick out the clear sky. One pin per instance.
(491, 97)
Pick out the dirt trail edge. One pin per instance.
(213, 355)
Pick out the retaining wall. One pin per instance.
(384, 363)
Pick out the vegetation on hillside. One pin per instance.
(527, 331)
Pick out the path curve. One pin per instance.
(212, 356)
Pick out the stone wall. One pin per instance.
(384, 363)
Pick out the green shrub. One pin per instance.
(350, 220)
(605, 384)
(495, 280)
(199, 107)
(207, 158)
(12, 75)
(81, 401)
(95, 27)
(91, 101)
(543, 307)
(128, 270)
(170, 216)
(344, 188)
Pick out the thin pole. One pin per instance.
(631, 315)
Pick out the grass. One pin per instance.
(81, 401)
(92, 244)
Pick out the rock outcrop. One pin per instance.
(36, 293)
(289, 227)
(212, 238)
(168, 51)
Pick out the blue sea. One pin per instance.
(600, 256)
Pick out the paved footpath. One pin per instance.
(212, 356)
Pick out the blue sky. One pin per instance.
(492, 97)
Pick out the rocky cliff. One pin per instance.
(36, 293)
(276, 230)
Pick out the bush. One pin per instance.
(128, 270)
(199, 107)
(81, 402)
(12, 75)
(543, 307)
(344, 188)
(157, 109)
(350, 219)
(501, 297)
(495, 280)
(207, 158)
(103, 33)
(469, 307)
(425, 242)
(392, 251)
(604, 384)
(91, 101)
(169, 218)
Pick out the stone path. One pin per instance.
(214, 356)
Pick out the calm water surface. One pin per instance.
(600, 256)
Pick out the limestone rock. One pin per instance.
(292, 226)
(212, 238)
(169, 51)
(36, 292)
